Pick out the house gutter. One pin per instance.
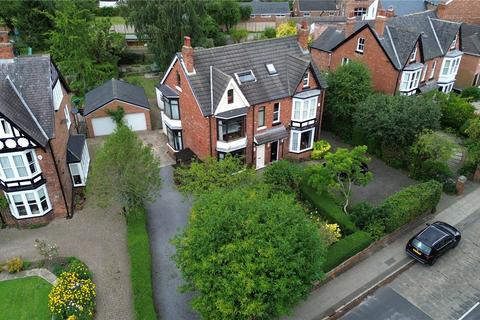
(69, 214)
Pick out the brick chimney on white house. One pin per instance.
(302, 35)
(187, 54)
(6, 48)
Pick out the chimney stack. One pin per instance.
(187, 54)
(350, 25)
(390, 12)
(302, 35)
(380, 22)
(6, 48)
(441, 10)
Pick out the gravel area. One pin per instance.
(96, 236)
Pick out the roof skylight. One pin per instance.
(271, 69)
(245, 76)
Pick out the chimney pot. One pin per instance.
(186, 41)
(187, 54)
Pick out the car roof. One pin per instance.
(431, 235)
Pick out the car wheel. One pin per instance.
(432, 262)
(456, 242)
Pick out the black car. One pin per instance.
(433, 241)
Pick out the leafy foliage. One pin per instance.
(473, 140)
(283, 176)
(346, 248)
(225, 12)
(245, 12)
(124, 171)
(248, 255)
(394, 121)
(432, 145)
(117, 115)
(471, 93)
(320, 148)
(14, 265)
(238, 35)
(286, 29)
(340, 171)
(432, 169)
(270, 33)
(202, 177)
(455, 110)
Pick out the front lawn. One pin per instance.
(25, 298)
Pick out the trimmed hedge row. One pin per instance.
(346, 248)
(409, 203)
(327, 207)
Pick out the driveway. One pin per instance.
(386, 180)
(94, 235)
(166, 216)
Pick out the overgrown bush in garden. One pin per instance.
(431, 169)
(455, 110)
(283, 176)
(320, 148)
(72, 296)
(14, 265)
(471, 93)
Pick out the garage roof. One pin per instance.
(115, 90)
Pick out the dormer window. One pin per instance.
(360, 45)
(230, 96)
(454, 42)
(245, 77)
(271, 69)
(306, 79)
(413, 56)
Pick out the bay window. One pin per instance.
(171, 110)
(175, 139)
(231, 129)
(18, 165)
(30, 203)
(304, 109)
(450, 67)
(410, 80)
(301, 140)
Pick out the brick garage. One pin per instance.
(111, 96)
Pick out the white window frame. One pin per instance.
(413, 56)
(82, 167)
(237, 76)
(360, 45)
(23, 195)
(410, 80)
(6, 130)
(278, 113)
(304, 109)
(57, 93)
(271, 69)
(432, 72)
(454, 42)
(446, 88)
(345, 61)
(298, 137)
(451, 68)
(67, 116)
(360, 11)
(16, 176)
(306, 79)
(424, 72)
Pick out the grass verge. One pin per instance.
(140, 262)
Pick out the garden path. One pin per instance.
(40, 272)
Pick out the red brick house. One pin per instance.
(262, 100)
(467, 11)
(469, 71)
(406, 55)
(42, 160)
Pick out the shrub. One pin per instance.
(432, 145)
(468, 169)
(48, 251)
(431, 169)
(270, 33)
(320, 148)
(327, 208)
(79, 268)
(450, 186)
(283, 176)
(346, 248)
(14, 265)
(472, 93)
(238, 35)
(286, 29)
(455, 111)
(410, 203)
(72, 296)
(362, 213)
(376, 229)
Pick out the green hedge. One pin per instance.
(346, 248)
(410, 203)
(327, 207)
(140, 264)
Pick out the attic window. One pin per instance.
(454, 42)
(271, 69)
(245, 76)
(413, 56)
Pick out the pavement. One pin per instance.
(348, 285)
(167, 216)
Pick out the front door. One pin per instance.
(260, 156)
(274, 151)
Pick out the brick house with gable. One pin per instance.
(406, 55)
(262, 100)
(42, 159)
(469, 71)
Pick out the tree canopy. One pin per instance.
(247, 254)
(286, 29)
(123, 171)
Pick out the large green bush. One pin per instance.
(328, 208)
(346, 248)
(455, 110)
(283, 176)
(432, 170)
(472, 93)
(409, 203)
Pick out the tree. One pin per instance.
(83, 47)
(432, 145)
(340, 171)
(202, 177)
(248, 255)
(164, 24)
(394, 121)
(473, 141)
(124, 171)
(455, 110)
(245, 12)
(238, 35)
(225, 12)
(287, 29)
(284, 176)
(348, 86)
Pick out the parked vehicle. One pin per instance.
(433, 241)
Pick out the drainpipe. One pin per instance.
(69, 214)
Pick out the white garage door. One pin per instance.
(105, 125)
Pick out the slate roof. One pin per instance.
(317, 5)
(401, 35)
(268, 8)
(232, 113)
(272, 134)
(75, 145)
(167, 91)
(215, 67)
(115, 90)
(31, 109)
(404, 7)
(470, 38)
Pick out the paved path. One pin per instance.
(166, 216)
(346, 286)
(96, 236)
(41, 272)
